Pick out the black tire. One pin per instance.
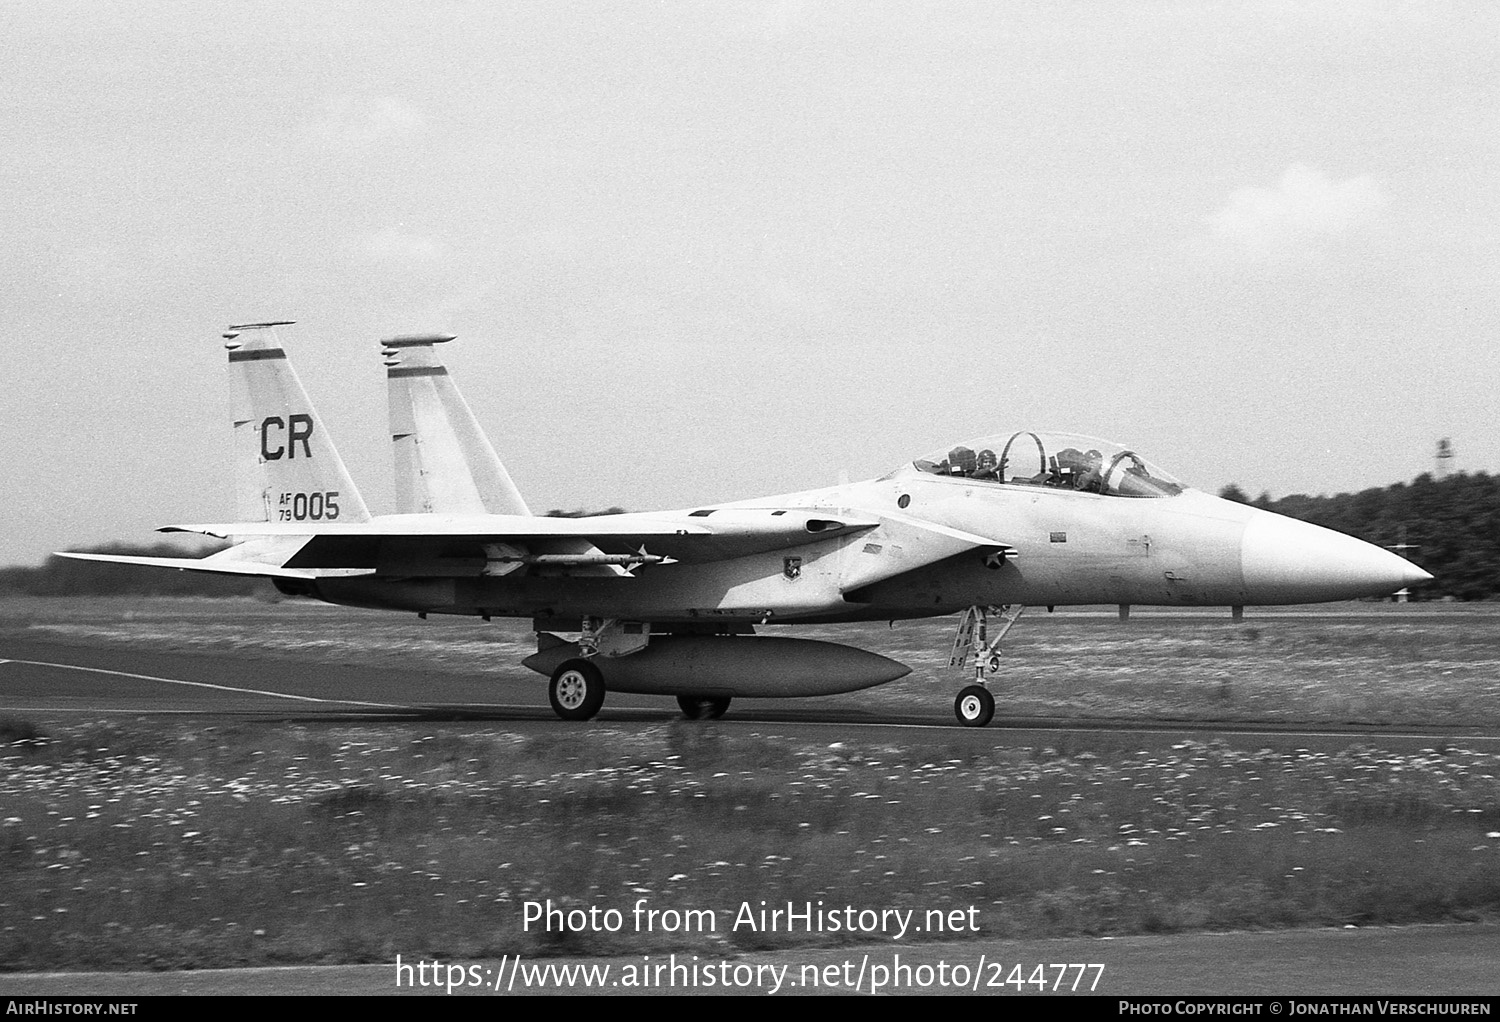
(974, 706)
(576, 690)
(703, 707)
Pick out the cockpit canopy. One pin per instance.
(1064, 461)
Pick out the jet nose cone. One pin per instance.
(1287, 561)
(1415, 576)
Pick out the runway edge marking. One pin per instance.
(205, 684)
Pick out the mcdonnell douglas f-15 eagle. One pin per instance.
(667, 602)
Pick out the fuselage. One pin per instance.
(1068, 546)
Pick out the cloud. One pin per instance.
(360, 122)
(1297, 220)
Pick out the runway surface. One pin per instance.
(45, 681)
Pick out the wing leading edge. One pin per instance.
(409, 539)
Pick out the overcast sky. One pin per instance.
(703, 251)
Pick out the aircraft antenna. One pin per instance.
(1404, 594)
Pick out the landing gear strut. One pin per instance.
(975, 705)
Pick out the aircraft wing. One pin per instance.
(442, 545)
(497, 527)
(410, 540)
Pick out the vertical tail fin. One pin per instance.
(444, 462)
(286, 467)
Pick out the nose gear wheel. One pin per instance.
(974, 706)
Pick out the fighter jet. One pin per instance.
(667, 602)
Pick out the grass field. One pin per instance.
(151, 843)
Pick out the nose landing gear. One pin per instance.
(975, 705)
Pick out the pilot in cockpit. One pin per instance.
(1065, 467)
(986, 465)
(1077, 470)
(960, 461)
(1089, 476)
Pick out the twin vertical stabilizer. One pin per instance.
(286, 467)
(444, 462)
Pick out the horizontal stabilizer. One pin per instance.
(216, 566)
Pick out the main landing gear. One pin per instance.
(703, 707)
(577, 687)
(576, 690)
(975, 705)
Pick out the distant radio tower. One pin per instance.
(1444, 457)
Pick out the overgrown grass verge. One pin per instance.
(140, 844)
